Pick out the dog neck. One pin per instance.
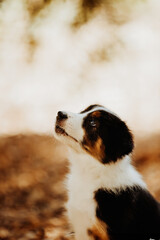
(113, 176)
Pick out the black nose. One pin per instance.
(62, 115)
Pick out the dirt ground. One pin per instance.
(32, 192)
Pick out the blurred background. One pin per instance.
(64, 55)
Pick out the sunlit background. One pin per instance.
(64, 55)
(59, 54)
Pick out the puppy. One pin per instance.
(108, 200)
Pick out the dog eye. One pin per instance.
(92, 123)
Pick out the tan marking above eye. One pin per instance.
(96, 114)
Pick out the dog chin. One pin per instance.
(60, 132)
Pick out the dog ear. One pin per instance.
(118, 140)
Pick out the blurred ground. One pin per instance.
(147, 161)
(32, 193)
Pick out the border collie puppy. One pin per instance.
(108, 199)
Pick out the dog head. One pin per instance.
(96, 131)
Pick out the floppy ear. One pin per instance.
(118, 141)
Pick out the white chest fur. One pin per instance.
(87, 175)
(81, 204)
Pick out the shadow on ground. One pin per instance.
(32, 193)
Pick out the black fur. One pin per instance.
(130, 214)
(115, 135)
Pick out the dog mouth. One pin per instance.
(60, 130)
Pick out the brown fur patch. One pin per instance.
(97, 149)
(98, 231)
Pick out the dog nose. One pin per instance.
(62, 115)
